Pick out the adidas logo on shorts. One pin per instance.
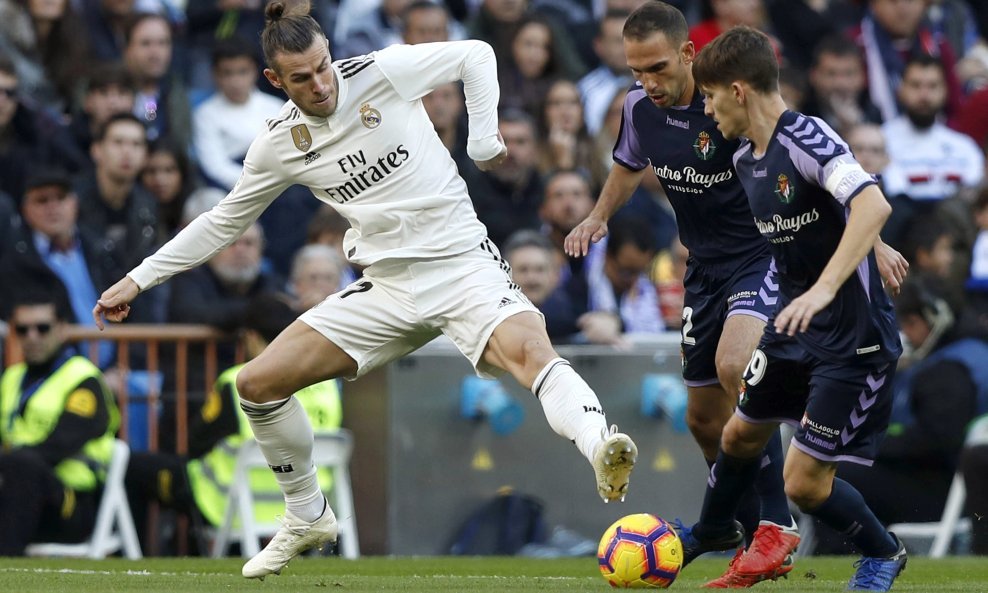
(505, 302)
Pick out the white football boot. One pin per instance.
(613, 461)
(294, 537)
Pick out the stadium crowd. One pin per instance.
(122, 120)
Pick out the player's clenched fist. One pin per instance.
(114, 304)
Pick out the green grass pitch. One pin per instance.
(435, 574)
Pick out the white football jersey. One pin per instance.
(377, 160)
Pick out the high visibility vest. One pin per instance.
(210, 476)
(82, 471)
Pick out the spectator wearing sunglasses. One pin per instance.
(57, 423)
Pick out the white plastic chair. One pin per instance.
(950, 522)
(114, 529)
(331, 450)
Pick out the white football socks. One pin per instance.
(284, 435)
(570, 406)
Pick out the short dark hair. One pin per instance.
(742, 53)
(422, 5)
(137, 19)
(835, 45)
(232, 48)
(611, 15)
(656, 17)
(34, 295)
(626, 230)
(114, 119)
(288, 29)
(104, 76)
(513, 115)
(922, 234)
(981, 200)
(269, 314)
(922, 60)
(526, 238)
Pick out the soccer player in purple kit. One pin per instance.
(730, 289)
(827, 359)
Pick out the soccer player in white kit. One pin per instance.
(356, 134)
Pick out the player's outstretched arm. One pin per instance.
(621, 183)
(869, 211)
(114, 303)
(891, 265)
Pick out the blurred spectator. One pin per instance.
(59, 420)
(106, 22)
(168, 177)
(108, 91)
(978, 280)
(217, 294)
(497, 22)
(526, 74)
(568, 145)
(317, 271)
(29, 136)
(446, 108)
(838, 86)
(200, 201)
(606, 137)
(617, 279)
(953, 20)
(794, 87)
(328, 227)
(567, 202)
(971, 120)
(114, 205)
(929, 247)
(721, 15)
(669, 273)
(890, 34)
(598, 87)
(533, 264)
(161, 102)
(226, 124)
(374, 30)
(48, 44)
(507, 198)
(50, 252)
(211, 21)
(867, 143)
(935, 161)
(934, 400)
(802, 24)
(424, 21)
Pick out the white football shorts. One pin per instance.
(400, 305)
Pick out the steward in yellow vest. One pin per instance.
(57, 425)
(199, 484)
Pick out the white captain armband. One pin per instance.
(845, 179)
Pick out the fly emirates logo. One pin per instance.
(362, 175)
(674, 177)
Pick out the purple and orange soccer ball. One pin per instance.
(640, 552)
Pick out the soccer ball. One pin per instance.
(640, 552)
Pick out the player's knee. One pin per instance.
(738, 440)
(730, 369)
(537, 352)
(803, 492)
(705, 429)
(251, 385)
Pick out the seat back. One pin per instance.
(951, 522)
(114, 529)
(330, 450)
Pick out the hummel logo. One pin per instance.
(505, 302)
(311, 156)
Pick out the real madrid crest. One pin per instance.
(301, 137)
(370, 117)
